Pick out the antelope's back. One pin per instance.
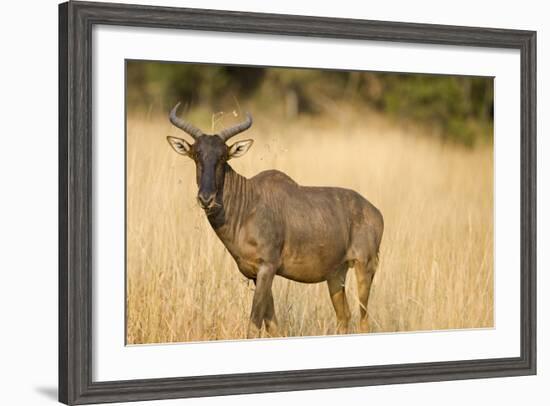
(317, 222)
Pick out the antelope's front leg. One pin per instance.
(261, 302)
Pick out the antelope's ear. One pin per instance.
(179, 145)
(239, 148)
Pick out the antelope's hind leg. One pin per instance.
(270, 319)
(336, 287)
(364, 272)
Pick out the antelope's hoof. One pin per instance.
(272, 330)
(342, 329)
(364, 326)
(253, 331)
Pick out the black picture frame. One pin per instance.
(76, 20)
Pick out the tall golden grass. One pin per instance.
(436, 260)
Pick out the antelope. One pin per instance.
(273, 226)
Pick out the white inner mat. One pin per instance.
(112, 360)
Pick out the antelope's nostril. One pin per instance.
(206, 200)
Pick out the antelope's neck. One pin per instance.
(236, 198)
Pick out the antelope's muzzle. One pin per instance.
(207, 200)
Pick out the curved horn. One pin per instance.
(184, 125)
(239, 128)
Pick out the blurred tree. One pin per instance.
(459, 107)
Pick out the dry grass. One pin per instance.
(436, 264)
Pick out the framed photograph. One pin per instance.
(258, 202)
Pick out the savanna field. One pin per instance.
(436, 258)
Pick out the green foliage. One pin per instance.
(165, 83)
(459, 108)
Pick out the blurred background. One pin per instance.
(455, 108)
(419, 147)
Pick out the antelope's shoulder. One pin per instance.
(273, 176)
